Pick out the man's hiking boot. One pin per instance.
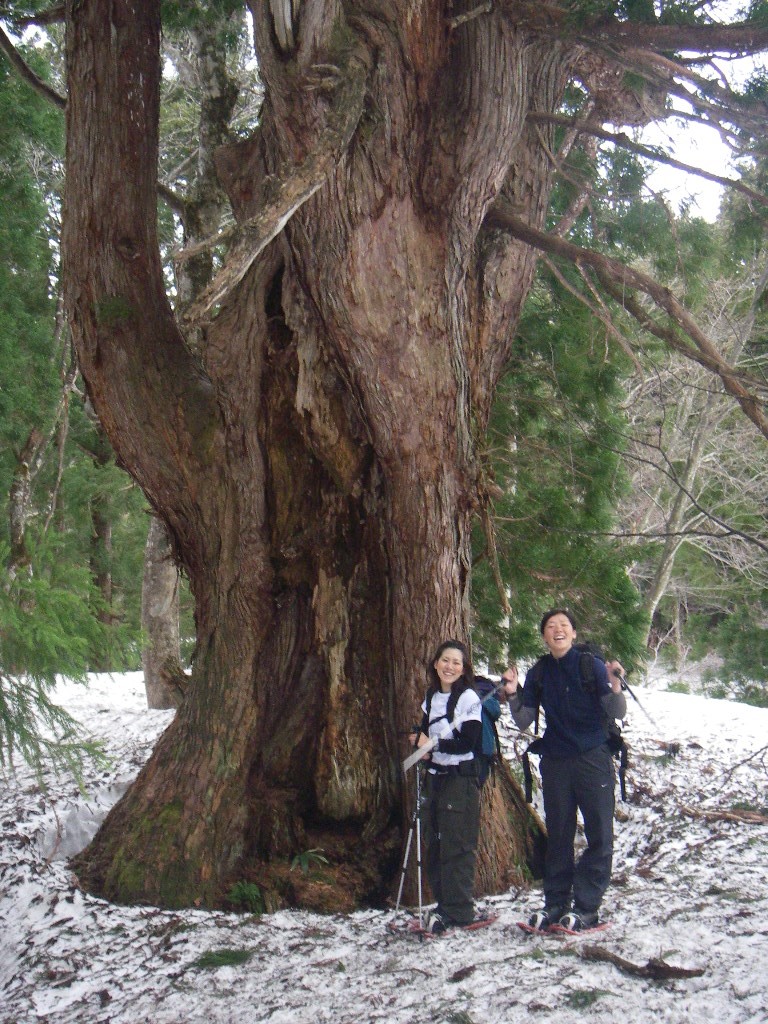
(545, 918)
(579, 920)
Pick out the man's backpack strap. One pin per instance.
(587, 672)
(536, 677)
(623, 763)
(618, 747)
(532, 748)
(616, 742)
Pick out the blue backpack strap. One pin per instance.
(536, 676)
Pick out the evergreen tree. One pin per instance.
(554, 452)
(30, 138)
(53, 618)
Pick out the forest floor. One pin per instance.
(688, 907)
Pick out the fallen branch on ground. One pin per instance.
(748, 817)
(656, 969)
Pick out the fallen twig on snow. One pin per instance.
(749, 817)
(746, 760)
(657, 969)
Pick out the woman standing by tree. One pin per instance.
(452, 720)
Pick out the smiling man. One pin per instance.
(578, 696)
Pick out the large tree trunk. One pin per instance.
(315, 462)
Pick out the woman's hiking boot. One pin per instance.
(435, 923)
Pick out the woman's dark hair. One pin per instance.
(556, 611)
(465, 679)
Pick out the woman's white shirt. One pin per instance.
(468, 709)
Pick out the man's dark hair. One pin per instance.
(556, 611)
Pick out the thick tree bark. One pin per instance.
(201, 213)
(314, 457)
(164, 678)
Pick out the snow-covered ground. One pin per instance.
(690, 890)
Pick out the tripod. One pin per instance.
(415, 827)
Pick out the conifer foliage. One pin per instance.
(54, 618)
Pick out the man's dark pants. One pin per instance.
(586, 783)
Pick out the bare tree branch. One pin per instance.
(728, 136)
(744, 816)
(173, 199)
(53, 16)
(665, 466)
(598, 311)
(705, 352)
(476, 12)
(655, 968)
(727, 775)
(741, 39)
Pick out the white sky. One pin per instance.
(699, 147)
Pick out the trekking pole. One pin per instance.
(670, 748)
(418, 843)
(415, 827)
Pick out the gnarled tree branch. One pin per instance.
(739, 39)
(281, 198)
(616, 277)
(651, 153)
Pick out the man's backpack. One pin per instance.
(487, 748)
(616, 742)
